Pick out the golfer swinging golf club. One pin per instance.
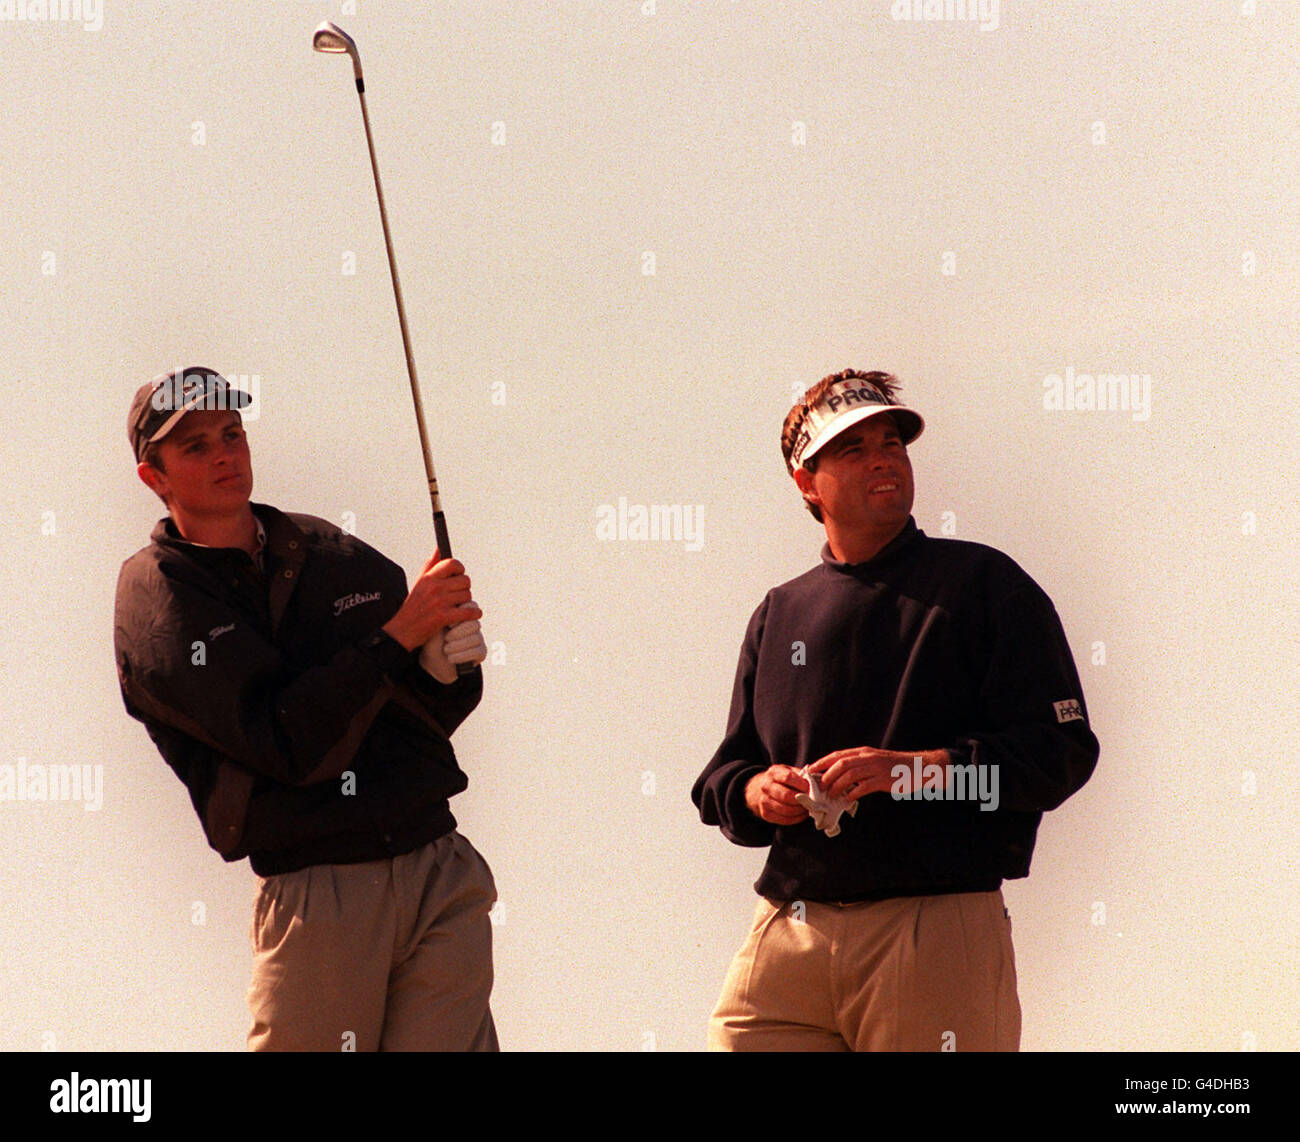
(306, 700)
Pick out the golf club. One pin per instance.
(333, 40)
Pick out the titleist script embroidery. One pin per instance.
(349, 601)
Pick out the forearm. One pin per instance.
(1037, 767)
(443, 706)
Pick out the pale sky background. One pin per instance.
(1104, 187)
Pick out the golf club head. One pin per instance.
(333, 40)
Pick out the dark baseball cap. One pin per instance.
(158, 406)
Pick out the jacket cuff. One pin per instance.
(387, 653)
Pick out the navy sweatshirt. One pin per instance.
(931, 644)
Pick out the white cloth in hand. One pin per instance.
(825, 811)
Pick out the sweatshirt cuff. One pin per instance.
(740, 825)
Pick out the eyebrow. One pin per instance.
(856, 436)
(183, 438)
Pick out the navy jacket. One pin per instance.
(304, 733)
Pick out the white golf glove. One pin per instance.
(460, 643)
(825, 810)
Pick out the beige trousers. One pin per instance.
(916, 973)
(389, 955)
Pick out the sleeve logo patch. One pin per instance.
(1068, 711)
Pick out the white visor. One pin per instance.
(841, 407)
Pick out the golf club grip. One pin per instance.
(440, 533)
(444, 549)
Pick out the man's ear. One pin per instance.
(154, 478)
(804, 479)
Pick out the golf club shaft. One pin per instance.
(439, 519)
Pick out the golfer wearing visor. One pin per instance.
(903, 715)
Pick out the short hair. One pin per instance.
(153, 456)
(886, 383)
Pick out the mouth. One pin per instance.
(233, 478)
(883, 488)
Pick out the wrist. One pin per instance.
(400, 632)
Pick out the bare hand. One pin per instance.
(439, 598)
(853, 773)
(770, 795)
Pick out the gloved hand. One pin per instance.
(460, 643)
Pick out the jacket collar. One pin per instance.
(284, 554)
(278, 533)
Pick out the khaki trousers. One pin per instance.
(916, 973)
(389, 955)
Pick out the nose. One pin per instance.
(227, 451)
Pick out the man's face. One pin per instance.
(206, 469)
(863, 478)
